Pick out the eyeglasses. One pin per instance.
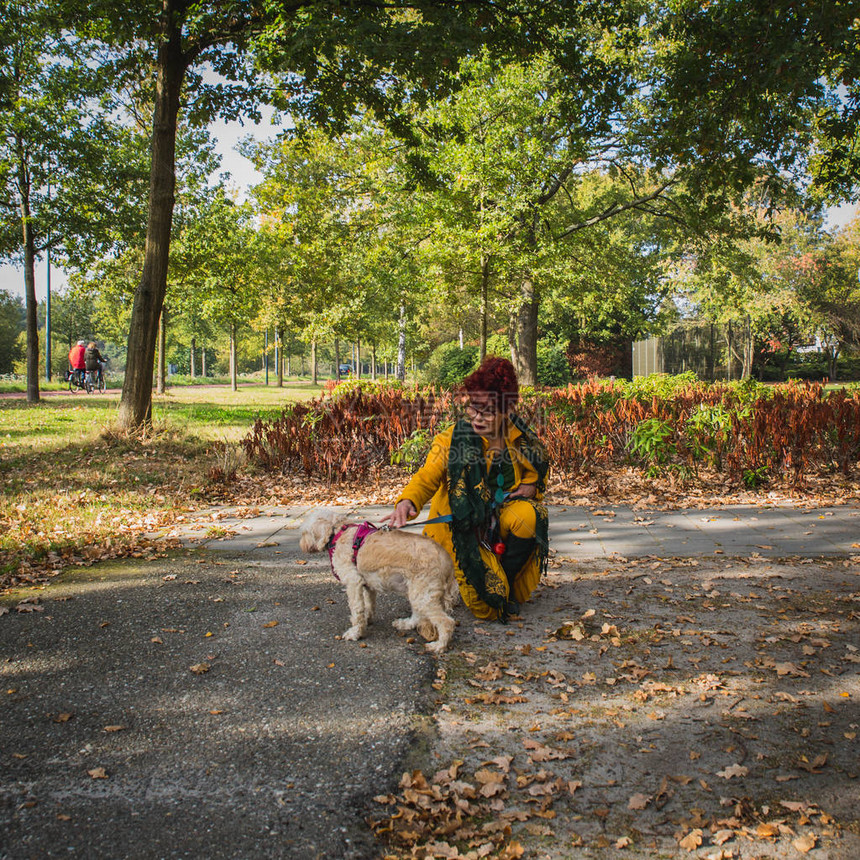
(488, 412)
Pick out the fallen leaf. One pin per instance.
(200, 668)
(114, 728)
(692, 840)
(98, 773)
(732, 771)
(638, 801)
(271, 624)
(806, 843)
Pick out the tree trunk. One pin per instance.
(357, 362)
(234, 383)
(279, 358)
(485, 288)
(748, 350)
(401, 345)
(373, 362)
(31, 306)
(523, 334)
(314, 361)
(193, 356)
(162, 352)
(203, 362)
(336, 373)
(23, 181)
(135, 407)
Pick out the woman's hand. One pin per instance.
(524, 491)
(404, 510)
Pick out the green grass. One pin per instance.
(72, 488)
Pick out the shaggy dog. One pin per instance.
(397, 561)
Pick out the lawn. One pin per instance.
(73, 490)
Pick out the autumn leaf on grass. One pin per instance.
(98, 773)
(733, 770)
(200, 668)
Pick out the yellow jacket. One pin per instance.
(430, 483)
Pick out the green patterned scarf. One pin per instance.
(471, 500)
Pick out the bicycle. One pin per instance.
(79, 381)
(95, 380)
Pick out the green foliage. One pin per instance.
(553, 368)
(413, 450)
(651, 441)
(449, 364)
(11, 326)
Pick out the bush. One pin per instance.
(448, 364)
(553, 368)
(747, 432)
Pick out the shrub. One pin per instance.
(748, 432)
(448, 364)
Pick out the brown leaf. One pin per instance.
(200, 668)
(98, 773)
(805, 844)
(692, 840)
(639, 801)
(271, 624)
(721, 836)
(732, 771)
(63, 718)
(114, 728)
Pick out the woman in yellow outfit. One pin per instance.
(488, 473)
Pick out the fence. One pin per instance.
(711, 351)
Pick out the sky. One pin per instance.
(243, 175)
(227, 136)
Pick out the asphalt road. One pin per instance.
(113, 747)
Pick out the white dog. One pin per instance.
(397, 561)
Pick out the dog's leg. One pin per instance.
(404, 624)
(370, 603)
(428, 609)
(355, 595)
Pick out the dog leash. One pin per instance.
(445, 518)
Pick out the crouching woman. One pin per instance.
(488, 472)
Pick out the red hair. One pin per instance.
(496, 376)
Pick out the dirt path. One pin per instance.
(649, 709)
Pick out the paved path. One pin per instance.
(583, 533)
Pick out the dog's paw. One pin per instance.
(403, 624)
(436, 647)
(353, 634)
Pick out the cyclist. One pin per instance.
(95, 363)
(77, 362)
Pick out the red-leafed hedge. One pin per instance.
(751, 433)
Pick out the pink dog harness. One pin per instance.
(361, 533)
